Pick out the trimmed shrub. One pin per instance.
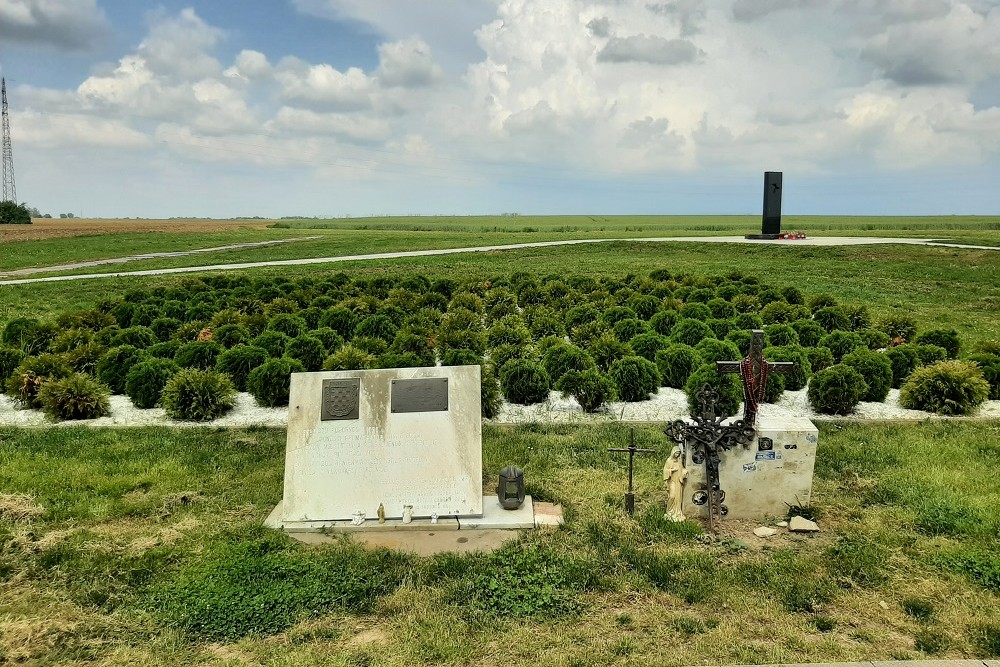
(607, 349)
(239, 361)
(626, 330)
(875, 339)
(858, 317)
(292, 326)
(946, 388)
(676, 364)
(696, 311)
(164, 327)
(461, 329)
(409, 342)
(524, 382)
(589, 387)
(504, 353)
(720, 328)
(875, 368)
(777, 312)
(376, 326)
(24, 383)
(491, 398)
(231, 335)
(77, 396)
(836, 390)
(779, 335)
(841, 343)
(748, 321)
(139, 337)
(728, 385)
(373, 346)
(819, 358)
(331, 339)
(644, 305)
(578, 315)
(819, 301)
(690, 332)
(635, 378)
(509, 331)
(84, 358)
(561, 358)
(28, 334)
(10, 359)
(198, 354)
(615, 314)
(270, 382)
(648, 344)
(399, 360)
(165, 350)
(340, 319)
(930, 354)
(832, 318)
(663, 322)
(899, 328)
(462, 358)
(809, 332)
(547, 325)
(946, 338)
(114, 365)
(145, 381)
(273, 342)
(741, 338)
(792, 295)
(585, 334)
(193, 394)
(711, 350)
(904, 360)
(307, 350)
(798, 378)
(990, 365)
(721, 309)
(349, 358)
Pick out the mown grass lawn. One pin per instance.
(144, 547)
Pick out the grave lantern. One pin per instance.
(510, 490)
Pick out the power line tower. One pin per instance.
(9, 191)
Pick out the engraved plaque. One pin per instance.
(420, 395)
(340, 399)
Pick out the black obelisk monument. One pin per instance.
(771, 218)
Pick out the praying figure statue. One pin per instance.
(674, 478)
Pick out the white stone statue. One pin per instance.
(407, 513)
(675, 477)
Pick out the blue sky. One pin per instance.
(357, 107)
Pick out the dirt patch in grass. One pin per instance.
(19, 508)
(65, 228)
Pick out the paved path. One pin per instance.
(151, 255)
(816, 241)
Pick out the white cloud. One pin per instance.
(648, 49)
(352, 127)
(324, 86)
(56, 131)
(407, 63)
(64, 24)
(178, 47)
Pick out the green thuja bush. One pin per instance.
(741, 338)
(809, 332)
(720, 328)
(409, 342)
(990, 365)
(635, 378)
(29, 376)
(27, 334)
(820, 301)
(164, 328)
(373, 346)
(644, 305)
(340, 319)
(193, 394)
(875, 339)
(376, 326)
(832, 318)
(270, 382)
(904, 360)
(676, 364)
(491, 397)
(585, 334)
(457, 357)
(875, 368)
(77, 396)
(711, 350)
(399, 360)
(690, 332)
(589, 387)
(748, 321)
(899, 328)
(841, 343)
(607, 349)
(524, 382)
(165, 350)
(349, 358)
(946, 388)
(663, 321)
(461, 329)
(509, 331)
(239, 361)
(836, 390)
(800, 374)
(778, 335)
(626, 330)
(930, 354)
(727, 384)
(696, 311)
(646, 345)
(231, 335)
(10, 359)
(308, 350)
(198, 354)
(721, 309)
(139, 337)
(273, 342)
(610, 316)
(70, 339)
(331, 339)
(946, 338)
(145, 381)
(563, 357)
(819, 358)
(292, 326)
(114, 365)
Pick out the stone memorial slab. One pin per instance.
(775, 469)
(392, 437)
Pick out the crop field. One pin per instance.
(145, 546)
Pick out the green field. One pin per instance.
(144, 547)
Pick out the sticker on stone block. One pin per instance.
(768, 456)
(419, 395)
(749, 467)
(340, 399)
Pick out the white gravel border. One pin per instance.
(666, 405)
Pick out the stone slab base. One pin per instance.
(496, 517)
(763, 237)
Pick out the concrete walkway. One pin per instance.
(826, 241)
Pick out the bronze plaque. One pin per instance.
(420, 395)
(340, 399)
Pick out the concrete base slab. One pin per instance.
(425, 543)
(273, 520)
(495, 517)
(548, 514)
(763, 237)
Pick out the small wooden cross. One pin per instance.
(632, 451)
(754, 370)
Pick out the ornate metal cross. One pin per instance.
(706, 439)
(754, 370)
(632, 451)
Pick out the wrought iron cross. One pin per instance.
(754, 370)
(706, 439)
(632, 451)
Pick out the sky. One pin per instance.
(339, 108)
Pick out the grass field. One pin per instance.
(99, 528)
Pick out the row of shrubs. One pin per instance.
(596, 340)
